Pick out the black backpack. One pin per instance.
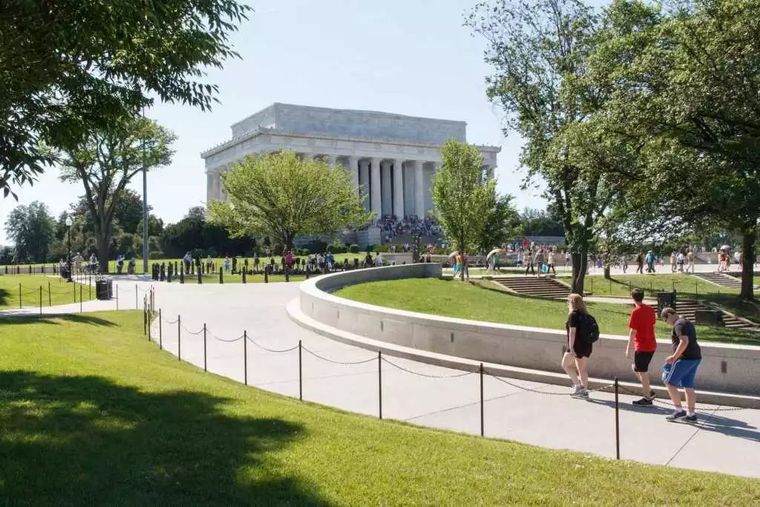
(589, 329)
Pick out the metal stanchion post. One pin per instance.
(245, 355)
(300, 372)
(135, 295)
(145, 317)
(117, 296)
(80, 298)
(380, 383)
(150, 315)
(89, 287)
(179, 338)
(482, 422)
(50, 297)
(160, 331)
(617, 421)
(204, 347)
(19, 296)
(40, 299)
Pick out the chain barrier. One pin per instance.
(195, 333)
(538, 391)
(268, 349)
(373, 358)
(428, 375)
(668, 403)
(170, 322)
(212, 335)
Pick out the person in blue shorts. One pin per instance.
(681, 366)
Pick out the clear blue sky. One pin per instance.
(410, 57)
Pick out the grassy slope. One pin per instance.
(60, 292)
(482, 301)
(93, 413)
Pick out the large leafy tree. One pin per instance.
(282, 196)
(68, 67)
(688, 85)
(32, 228)
(464, 199)
(106, 161)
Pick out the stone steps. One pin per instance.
(720, 279)
(687, 309)
(534, 286)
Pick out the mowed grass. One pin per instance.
(92, 413)
(55, 291)
(484, 301)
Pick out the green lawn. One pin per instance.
(92, 413)
(484, 301)
(55, 291)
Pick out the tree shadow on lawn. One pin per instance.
(85, 440)
(4, 296)
(13, 317)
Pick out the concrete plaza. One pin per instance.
(724, 440)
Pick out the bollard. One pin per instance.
(245, 355)
(380, 384)
(482, 423)
(40, 299)
(244, 270)
(204, 347)
(221, 278)
(50, 298)
(617, 421)
(182, 274)
(300, 373)
(179, 338)
(200, 276)
(160, 331)
(266, 275)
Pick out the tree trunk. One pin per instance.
(749, 237)
(607, 274)
(103, 242)
(580, 266)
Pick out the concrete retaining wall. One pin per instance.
(725, 368)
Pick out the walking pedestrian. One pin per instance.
(690, 260)
(582, 331)
(641, 336)
(681, 366)
(640, 263)
(550, 263)
(529, 263)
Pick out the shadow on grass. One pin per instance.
(85, 440)
(17, 317)
(4, 295)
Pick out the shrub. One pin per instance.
(353, 248)
(337, 248)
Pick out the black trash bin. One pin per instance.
(101, 289)
(665, 300)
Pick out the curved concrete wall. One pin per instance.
(725, 367)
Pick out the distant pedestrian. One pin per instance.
(582, 331)
(550, 263)
(641, 335)
(640, 263)
(227, 263)
(680, 260)
(690, 260)
(529, 266)
(650, 262)
(681, 366)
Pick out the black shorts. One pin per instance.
(582, 349)
(641, 361)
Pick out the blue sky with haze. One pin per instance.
(410, 57)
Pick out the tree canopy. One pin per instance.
(283, 196)
(464, 199)
(71, 66)
(32, 229)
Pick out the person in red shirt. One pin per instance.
(641, 336)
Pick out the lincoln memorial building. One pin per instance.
(391, 158)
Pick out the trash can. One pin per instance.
(101, 289)
(708, 317)
(665, 300)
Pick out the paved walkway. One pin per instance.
(723, 441)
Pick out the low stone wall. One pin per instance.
(725, 368)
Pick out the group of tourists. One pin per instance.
(679, 370)
(392, 226)
(543, 259)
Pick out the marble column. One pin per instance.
(419, 189)
(398, 188)
(376, 202)
(353, 171)
(386, 190)
(364, 181)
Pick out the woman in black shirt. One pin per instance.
(578, 350)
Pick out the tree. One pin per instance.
(502, 223)
(106, 162)
(463, 198)
(536, 48)
(282, 196)
(32, 228)
(540, 223)
(688, 85)
(69, 67)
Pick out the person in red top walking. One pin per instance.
(641, 336)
